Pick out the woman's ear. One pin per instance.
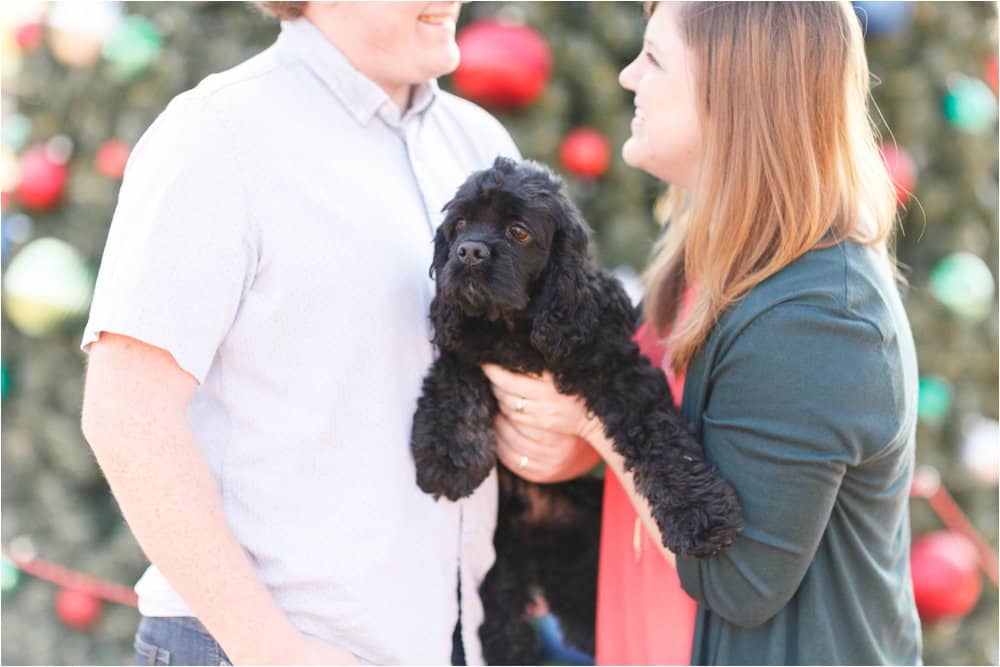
(566, 309)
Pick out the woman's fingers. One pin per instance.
(514, 452)
(520, 452)
(520, 438)
(519, 384)
(526, 413)
(534, 401)
(511, 443)
(525, 399)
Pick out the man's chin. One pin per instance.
(444, 63)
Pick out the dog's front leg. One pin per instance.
(696, 510)
(452, 440)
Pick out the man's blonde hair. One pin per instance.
(790, 158)
(282, 10)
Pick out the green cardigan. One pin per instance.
(805, 395)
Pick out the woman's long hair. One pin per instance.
(790, 163)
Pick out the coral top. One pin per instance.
(644, 617)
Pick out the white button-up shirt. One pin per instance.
(274, 234)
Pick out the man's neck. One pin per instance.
(400, 94)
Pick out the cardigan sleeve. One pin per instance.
(802, 394)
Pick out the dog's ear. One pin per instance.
(445, 319)
(447, 322)
(566, 308)
(441, 250)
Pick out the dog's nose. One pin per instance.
(473, 252)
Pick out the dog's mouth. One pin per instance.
(479, 295)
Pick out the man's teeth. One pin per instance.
(434, 20)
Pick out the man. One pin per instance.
(257, 343)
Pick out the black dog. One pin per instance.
(516, 287)
(547, 542)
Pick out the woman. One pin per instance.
(773, 294)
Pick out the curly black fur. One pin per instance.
(516, 287)
(546, 541)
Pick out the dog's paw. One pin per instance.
(452, 476)
(703, 526)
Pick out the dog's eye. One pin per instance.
(519, 233)
(460, 225)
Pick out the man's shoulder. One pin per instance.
(248, 80)
(464, 109)
(206, 112)
(476, 122)
(222, 97)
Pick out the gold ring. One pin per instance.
(522, 462)
(519, 404)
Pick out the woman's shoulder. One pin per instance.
(845, 281)
(827, 334)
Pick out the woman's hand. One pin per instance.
(541, 434)
(545, 436)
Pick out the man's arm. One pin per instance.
(134, 417)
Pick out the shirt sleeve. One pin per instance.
(798, 398)
(180, 252)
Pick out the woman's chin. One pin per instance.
(631, 153)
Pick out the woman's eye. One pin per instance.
(519, 233)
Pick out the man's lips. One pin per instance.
(447, 20)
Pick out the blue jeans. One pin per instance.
(180, 640)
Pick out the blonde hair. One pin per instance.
(790, 158)
(284, 11)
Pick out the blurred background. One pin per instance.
(81, 81)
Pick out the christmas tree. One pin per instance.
(80, 87)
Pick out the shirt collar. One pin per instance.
(360, 95)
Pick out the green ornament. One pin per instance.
(47, 284)
(10, 576)
(934, 399)
(964, 284)
(133, 47)
(4, 381)
(16, 131)
(970, 106)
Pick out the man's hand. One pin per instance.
(134, 417)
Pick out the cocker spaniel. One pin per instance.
(515, 286)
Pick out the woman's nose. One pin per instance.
(626, 76)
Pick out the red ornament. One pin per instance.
(76, 609)
(28, 36)
(42, 180)
(902, 171)
(990, 73)
(111, 158)
(945, 570)
(585, 152)
(503, 66)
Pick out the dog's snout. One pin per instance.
(473, 252)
